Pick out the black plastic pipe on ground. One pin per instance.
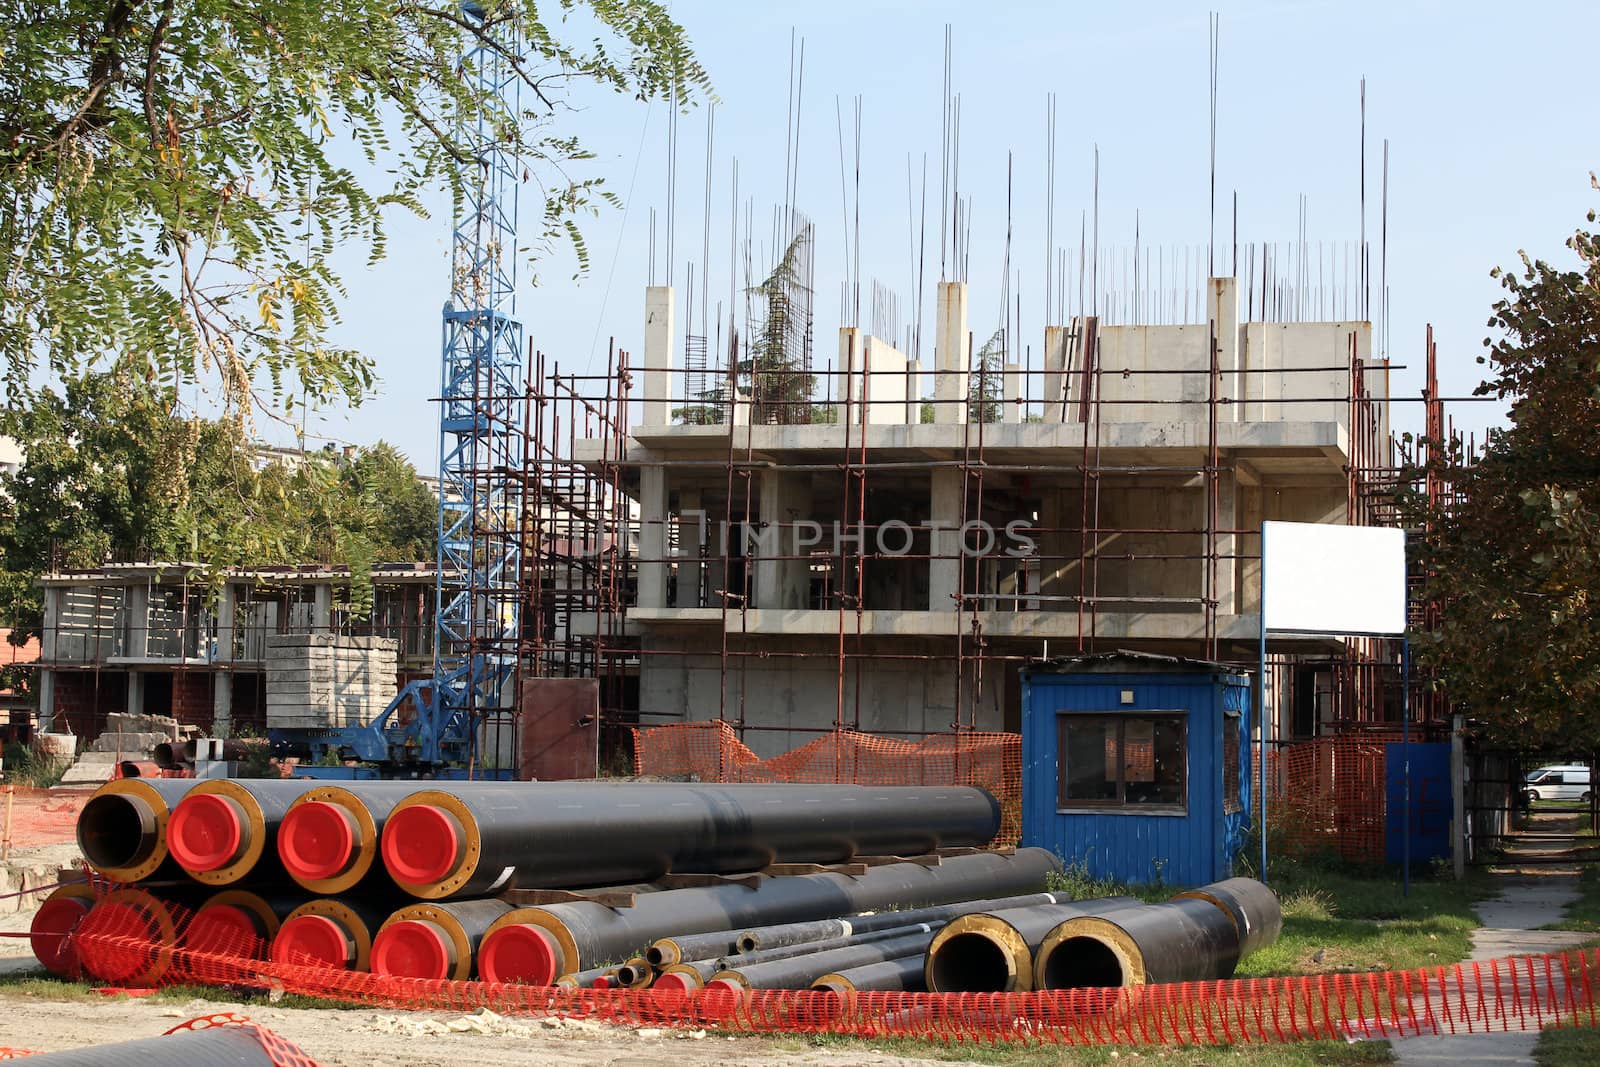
(446, 843)
(1254, 909)
(122, 829)
(222, 831)
(1186, 940)
(232, 1046)
(635, 973)
(903, 975)
(435, 939)
(331, 932)
(992, 951)
(799, 972)
(537, 945)
(799, 933)
(594, 978)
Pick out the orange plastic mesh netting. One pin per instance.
(1528, 993)
(1326, 798)
(712, 752)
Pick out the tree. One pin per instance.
(150, 483)
(986, 388)
(775, 372)
(172, 176)
(1512, 551)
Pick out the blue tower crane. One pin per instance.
(482, 442)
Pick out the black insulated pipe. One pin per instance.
(122, 829)
(233, 1046)
(992, 952)
(801, 971)
(536, 945)
(903, 975)
(1185, 940)
(444, 843)
(434, 940)
(223, 830)
(800, 933)
(1254, 909)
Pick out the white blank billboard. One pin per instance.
(1324, 579)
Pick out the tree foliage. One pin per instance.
(986, 386)
(114, 472)
(774, 372)
(1513, 548)
(176, 176)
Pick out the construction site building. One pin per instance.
(884, 547)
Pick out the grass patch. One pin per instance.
(32, 984)
(28, 767)
(1339, 922)
(1303, 1054)
(1568, 1047)
(1583, 913)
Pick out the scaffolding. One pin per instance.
(718, 549)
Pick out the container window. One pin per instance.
(1123, 761)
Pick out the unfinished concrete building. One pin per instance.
(163, 639)
(885, 556)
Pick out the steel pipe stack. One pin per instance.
(537, 945)
(454, 843)
(800, 971)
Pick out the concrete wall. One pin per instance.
(876, 376)
(800, 696)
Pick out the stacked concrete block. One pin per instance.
(325, 681)
(134, 735)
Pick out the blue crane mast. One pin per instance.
(482, 443)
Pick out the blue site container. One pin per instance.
(1136, 765)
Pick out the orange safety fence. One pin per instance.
(1528, 993)
(1326, 798)
(712, 752)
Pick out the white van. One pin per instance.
(1562, 781)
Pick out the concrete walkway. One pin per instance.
(1510, 928)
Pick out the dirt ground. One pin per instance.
(337, 1038)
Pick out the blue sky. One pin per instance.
(1488, 111)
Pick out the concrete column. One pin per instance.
(138, 623)
(658, 313)
(944, 570)
(222, 680)
(1055, 373)
(1227, 591)
(954, 355)
(783, 583)
(322, 608)
(652, 537)
(1012, 411)
(913, 392)
(135, 692)
(48, 650)
(1223, 310)
(691, 548)
(850, 390)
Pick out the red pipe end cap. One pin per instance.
(205, 832)
(672, 982)
(411, 948)
(421, 844)
(317, 840)
(223, 928)
(721, 997)
(47, 934)
(313, 939)
(125, 939)
(523, 954)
